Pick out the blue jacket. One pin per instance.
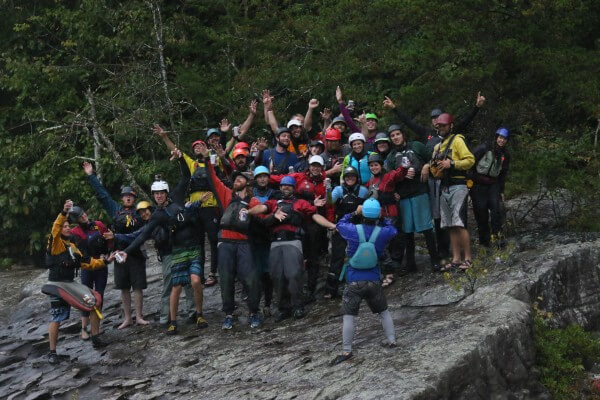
(112, 207)
(348, 231)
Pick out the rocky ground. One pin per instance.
(452, 344)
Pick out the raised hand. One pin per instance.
(261, 143)
(157, 129)
(313, 103)
(326, 114)
(480, 100)
(225, 125)
(87, 168)
(362, 119)
(203, 149)
(219, 149)
(253, 105)
(175, 154)
(267, 99)
(68, 206)
(338, 94)
(388, 103)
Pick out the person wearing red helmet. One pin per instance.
(450, 162)
(333, 154)
(240, 160)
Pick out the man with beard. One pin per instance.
(450, 162)
(278, 159)
(131, 275)
(333, 155)
(235, 258)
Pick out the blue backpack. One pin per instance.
(365, 256)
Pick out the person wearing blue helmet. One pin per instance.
(366, 245)
(285, 219)
(260, 238)
(492, 160)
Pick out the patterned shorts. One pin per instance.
(59, 309)
(185, 262)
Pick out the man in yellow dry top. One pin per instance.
(200, 190)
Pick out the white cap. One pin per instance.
(316, 159)
(294, 122)
(356, 136)
(159, 186)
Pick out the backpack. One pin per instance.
(365, 256)
(489, 165)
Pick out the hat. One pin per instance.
(372, 116)
(316, 160)
(293, 122)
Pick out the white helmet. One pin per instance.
(159, 186)
(293, 122)
(356, 136)
(316, 159)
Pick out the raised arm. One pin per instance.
(178, 194)
(165, 138)
(461, 125)
(111, 206)
(245, 126)
(308, 118)
(347, 117)
(421, 131)
(269, 114)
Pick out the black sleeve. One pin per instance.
(178, 194)
(421, 131)
(479, 151)
(464, 122)
(145, 235)
(504, 171)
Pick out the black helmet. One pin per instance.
(436, 112)
(394, 127)
(282, 130)
(382, 137)
(375, 158)
(128, 190)
(350, 171)
(75, 213)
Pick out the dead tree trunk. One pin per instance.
(109, 145)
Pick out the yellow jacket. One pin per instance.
(211, 201)
(459, 153)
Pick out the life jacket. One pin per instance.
(293, 217)
(126, 221)
(90, 240)
(179, 218)
(233, 219)
(282, 167)
(365, 256)
(161, 237)
(349, 201)
(361, 165)
(489, 165)
(63, 266)
(264, 196)
(199, 181)
(385, 198)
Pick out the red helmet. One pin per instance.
(240, 152)
(198, 142)
(241, 145)
(444, 119)
(333, 134)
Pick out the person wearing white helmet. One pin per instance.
(182, 223)
(358, 157)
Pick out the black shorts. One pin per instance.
(355, 292)
(131, 274)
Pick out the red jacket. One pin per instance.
(300, 206)
(309, 187)
(386, 186)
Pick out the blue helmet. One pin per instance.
(261, 169)
(502, 132)
(212, 131)
(288, 180)
(371, 209)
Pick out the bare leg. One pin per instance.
(95, 322)
(126, 301)
(138, 295)
(465, 242)
(85, 321)
(174, 302)
(455, 244)
(53, 334)
(198, 292)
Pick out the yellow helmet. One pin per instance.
(142, 205)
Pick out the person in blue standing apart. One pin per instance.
(366, 245)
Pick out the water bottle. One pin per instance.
(291, 170)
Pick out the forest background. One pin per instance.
(73, 73)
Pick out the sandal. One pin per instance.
(450, 266)
(388, 280)
(85, 335)
(211, 280)
(465, 265)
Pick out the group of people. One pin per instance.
(272, 207)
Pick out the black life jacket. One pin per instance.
(179, 218)
(232, 217)
(63, 266)
(349, 201)
(384, 198)
(126, 221)
(162, 238)
(199, 181)
(293, 217)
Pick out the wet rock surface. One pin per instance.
(450, 346)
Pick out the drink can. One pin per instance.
(291, 170)
(327, 183)
(405, 162)
(119, 258)
(243, 215)
(213, 159)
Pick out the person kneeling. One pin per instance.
(366, 244)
